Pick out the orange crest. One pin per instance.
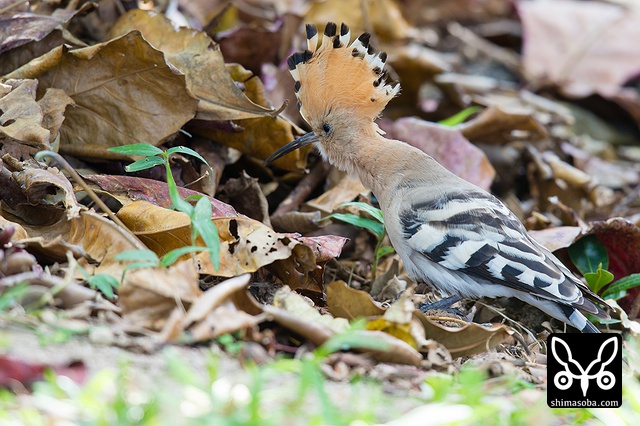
(340, 75)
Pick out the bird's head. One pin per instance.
(340, 87)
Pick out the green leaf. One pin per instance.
(144, 149)
(137, 255)
(105, 283)
(374, 226)
(144, 164)
(201, 222)
(587, 253)
(367, 208)
(385, 250)
(598, 279)
(460, 117)
(171, 257)
(174, 195)
(622, 285)
(187, 151)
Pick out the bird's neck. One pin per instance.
(380, 163)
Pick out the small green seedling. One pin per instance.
(459, 117)
(104, 283)
(591, 258)
(200, 214)
(375, 225)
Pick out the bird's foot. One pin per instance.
(442, 305)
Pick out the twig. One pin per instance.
(304, 188)
(76, 177)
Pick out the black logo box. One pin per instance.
(584, 370)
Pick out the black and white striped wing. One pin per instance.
(476, 234)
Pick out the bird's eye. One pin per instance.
(327, 129)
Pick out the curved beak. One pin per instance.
(307, 139)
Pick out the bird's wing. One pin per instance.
(476, 234)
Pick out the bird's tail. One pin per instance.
(575, 318)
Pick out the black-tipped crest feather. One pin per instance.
(312, 31)
(364, 39)
(330, 29)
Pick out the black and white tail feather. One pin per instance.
(476, 246)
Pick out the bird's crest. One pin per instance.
(339, 74)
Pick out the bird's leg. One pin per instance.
(443, 304)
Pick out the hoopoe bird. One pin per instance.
(449, 233)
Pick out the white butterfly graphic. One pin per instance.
(564, 379)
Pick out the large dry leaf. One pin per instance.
(199, 58)
(582, 47)
(447, 146)
(124, 92)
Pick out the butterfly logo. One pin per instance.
(564, 379)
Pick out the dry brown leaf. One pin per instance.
(583, 48)
(347, 189)
(557, 237)
(395, 350)
(495, 125)
(35, 195)
(315, 332)
(27, 125)
(295, 304)
(123, 89)
(147, 296)
(467, 340)
(223, 320)
(346, 302)
(214, 297)
(90, 237)
(212, 314)
(445, 145)
(244, 194)
(612, 174)
(199, 58)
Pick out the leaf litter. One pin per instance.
(73, 86)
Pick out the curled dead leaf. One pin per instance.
(147, 296)
(199, 58)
